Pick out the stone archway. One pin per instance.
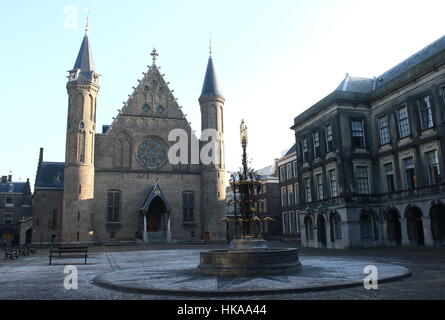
(437, 214)
(393, 227)
(321, 226)
(155, 216)
(415, 226)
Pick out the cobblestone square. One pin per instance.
(31, 277)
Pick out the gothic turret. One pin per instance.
(213, 176)
(82, 89)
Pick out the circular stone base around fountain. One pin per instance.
(174, 273)
(249, 257)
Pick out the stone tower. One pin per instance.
(82, 90)
(213, 175)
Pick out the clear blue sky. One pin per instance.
(274, 59)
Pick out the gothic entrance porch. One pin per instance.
(155, 216)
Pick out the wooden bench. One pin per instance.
(31, 249)
(73, 252)
(24, 251)
(11, 253)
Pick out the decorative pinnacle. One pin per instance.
(154, 54)
(87, 25)
(210, 43)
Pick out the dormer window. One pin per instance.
(74, 74)
(9, 203)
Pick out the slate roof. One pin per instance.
(84, 61)
(47, 175)
(293, 149)
(366, 85)
(19, 187)
(356, 84)
(211, 86)
(420, 56)
(365, 90)
(265, 171)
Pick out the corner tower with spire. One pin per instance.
(82, 90)
(213, 176)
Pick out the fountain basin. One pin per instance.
(249, 262)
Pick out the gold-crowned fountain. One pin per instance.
(248, 254)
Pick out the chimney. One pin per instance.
(10, 178)
(41, 156)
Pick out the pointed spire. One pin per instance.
(83, 69)
(210, 87)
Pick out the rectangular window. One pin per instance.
(289, 171)
(304, 150)
(114, 202)
(333, 183)
(384, 130)
(329, 138)
(9, 202)
(188, 204)
(410, 173)
(425, 112)
(402, 117)
(294, 164)
(389, 178)
(297, 193)
(283, 197)
(319, 186)
(307, 190)
(362, 180)
(290, 195)
(293, 222)
(285, 223)
(316, 144)
(7, 218)
(282, 173)
(432, 163)
(358, 134)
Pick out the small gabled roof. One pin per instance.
(211, 86)
(155, 191)
(50, 175)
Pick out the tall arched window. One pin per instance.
(82, 146)
(188, 205)
(91, 108)
(122, 152)
(366, 226)
(309, 226)
(113, 205)
(337, 227)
